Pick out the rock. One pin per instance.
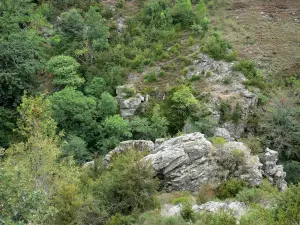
(139, 145)
(159, 141)
(121, 26)
(222, 132)
(130, 102)
(214, 74)
(187, 161)
(89, 164)
(171, 210)
(273, 172)
(235, 130)
(236, 208)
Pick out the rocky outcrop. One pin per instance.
(124, 146)
(129, 101)
(236, 208)
(273, 172)
(187, 161)
(222, 84)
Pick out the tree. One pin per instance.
(141, 128)
(159, 126)
(96, 87)
(30, 175)
(74, 113)
(179, 105)
(77, 148)
(107, 106)
(64, 69)
(72, 25)
(280, 127)
(22, 47)
(96, 31)
(115, 129)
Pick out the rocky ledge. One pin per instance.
(187, 161)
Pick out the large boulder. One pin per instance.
(273, 172)
(129, 101)
(187, 161)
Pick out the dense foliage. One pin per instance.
(60, 64)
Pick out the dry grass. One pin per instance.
(266, 31)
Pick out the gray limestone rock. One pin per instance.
(273, 172)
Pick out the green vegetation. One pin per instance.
(60, 64)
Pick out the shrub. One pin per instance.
(227, 80)
(206, 193)
(127, 185)
(230, 188)
(237, 114)
(262, 99)
(238, 155)
(151, 77)
(247, 67)
(191, 41)
(258, 215)
(261, 195)
(119, 219)
(128, 91)
(154, 218)
(253, 143)
(288, 206)
(195, 78)
(219, 218)
(187, 213)
(292, 169)
(76, 147)
(216, 46)
(218, 141)
(225, 111)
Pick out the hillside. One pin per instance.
(149, 112)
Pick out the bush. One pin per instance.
(216, 46)
(225, 111)
(253, 143)
(238, 155)
(187, 213)
(254, 196)
(151, 77)
(195, 78)
(219, 218)
(258, 215)
(218, 141)
(119, 219)
(76, 147)
(206, 193)
(154, 218)
(292, 169)
(237, 114)
(230, 188)
(288, 206)
(127, 185)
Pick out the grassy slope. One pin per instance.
(266, 31)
